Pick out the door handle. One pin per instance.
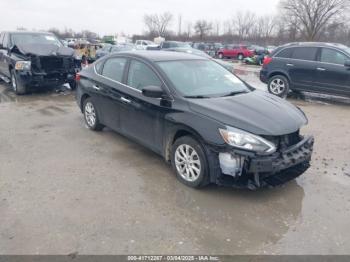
(290, 65)
(96, 87)
(321, 69)
(125, 100)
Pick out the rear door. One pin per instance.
(332, 76)
(302, 66)
(107, 90)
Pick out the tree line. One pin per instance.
(298, 20)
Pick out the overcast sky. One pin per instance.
(108, 16)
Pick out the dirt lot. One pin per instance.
(65, 189)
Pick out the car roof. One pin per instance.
(314, 44)
(157, 55)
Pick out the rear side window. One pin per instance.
(333, 56)
(285, 53)
(113, 68)
(141, 75)
(305, 53)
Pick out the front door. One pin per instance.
(142, 117)
(332, 76)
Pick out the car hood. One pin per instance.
(44, 50)
(256, 112)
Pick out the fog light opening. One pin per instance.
(231, 164)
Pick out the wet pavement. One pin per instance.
(65, 189)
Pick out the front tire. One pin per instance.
(17, 87)
(91, 115)
(240, 57)
(221, 56)
(278, 85)
(189, 162)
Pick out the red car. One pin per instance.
(235, 51)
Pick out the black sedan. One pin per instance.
(208, 124)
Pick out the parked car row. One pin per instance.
(187, 100)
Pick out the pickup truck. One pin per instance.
(35, 59)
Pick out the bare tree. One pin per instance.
(217, 27)
(179, 32)
(158, 23)
(312, 16)
(188, 32)
(202, 28)
(243, 23)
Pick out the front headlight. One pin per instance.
(244, 140)
(23, 65)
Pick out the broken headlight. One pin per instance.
(23, 65)
(244, 140)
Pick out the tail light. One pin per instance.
(267, 60)
(77, 77)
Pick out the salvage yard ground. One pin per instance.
(65, 189)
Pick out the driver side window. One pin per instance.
(332, 56)
(140, 75)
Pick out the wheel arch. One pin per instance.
(82, 100)
(276, 73)
(177, 132)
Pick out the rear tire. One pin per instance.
(221, 56)
(278, 85)
(91, 115)
(240, 57)
(17, 87)
(189, 162)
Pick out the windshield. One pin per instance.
(202, 78)
(24, 38)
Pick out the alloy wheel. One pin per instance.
(277, 86)
(187, 163)
(90, 114)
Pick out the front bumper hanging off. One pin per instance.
(273, 170)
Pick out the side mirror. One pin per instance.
(153, 91)
(347, 63)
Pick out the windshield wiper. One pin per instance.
(235, 93)
(198, 96)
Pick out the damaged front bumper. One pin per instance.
(255, 171)
(31, 79)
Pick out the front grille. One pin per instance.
(284, 141)
(52, 64)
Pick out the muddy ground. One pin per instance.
(65, 189)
